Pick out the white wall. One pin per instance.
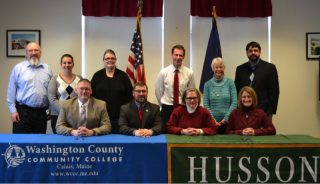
(299, 107)
(60, 25)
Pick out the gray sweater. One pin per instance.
(59, 91)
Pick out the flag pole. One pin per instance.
(140, 5)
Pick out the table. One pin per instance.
(252, 159)
(38, 158)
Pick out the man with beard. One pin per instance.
(27, 97)
(262, 77)
(140, 117)
(171, 82)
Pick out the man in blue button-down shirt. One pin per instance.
(27, 97)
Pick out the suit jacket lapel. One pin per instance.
(246, 74)
(145, 114)
(258, 72)
(252, 117)
(135, 113)
(242, 118)
(75, 113)
(90, 112)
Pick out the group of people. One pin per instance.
(110, 104)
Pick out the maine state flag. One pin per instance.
(213, 51)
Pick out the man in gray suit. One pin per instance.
(83, 115)
(140, 117)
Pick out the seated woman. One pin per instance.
(191, 119)
(247, 119)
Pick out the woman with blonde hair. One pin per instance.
(220, 95)
(247, 119)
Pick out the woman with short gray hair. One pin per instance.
(220, 95)
(190, 118)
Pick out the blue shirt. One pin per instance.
(255, 66)
(29, 85)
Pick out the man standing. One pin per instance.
(171, 83)
(140, 117)
(83, 115)
(27, 97)
(262, 77)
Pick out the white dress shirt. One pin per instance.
(165, 82)
(86, 105)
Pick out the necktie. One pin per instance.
(83, 115)
(140, 114)
(251, 78)
(176, 90)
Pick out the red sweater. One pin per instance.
(201, 119)
(257, 119)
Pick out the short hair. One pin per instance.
(188, 90)
(108, 51)
(66, 55)
(253, 95)
(141, 84)
(31, 43)
(179, 47)
(218, 60)
(253, 44)
(85, 81)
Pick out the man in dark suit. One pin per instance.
(83, 115)
(262, 77)
(140, 117)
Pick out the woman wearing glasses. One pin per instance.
(61, 88)
(220, 95)
(112, 86)
(190, 118)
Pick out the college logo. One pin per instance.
(14, 155)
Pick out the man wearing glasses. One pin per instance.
(140, 117)
(83, 116)
(27, 97)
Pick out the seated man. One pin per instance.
(140, 117)
(83, 115)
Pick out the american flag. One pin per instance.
(135, 68)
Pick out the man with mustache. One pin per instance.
(140, 117)
(262, 76)
(171, 82)
(27, 97)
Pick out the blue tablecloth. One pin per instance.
(38, 158)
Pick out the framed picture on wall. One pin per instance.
(313, 45)
(17, 41)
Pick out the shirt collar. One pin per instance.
(85, 104)
(174, 68)
(255, 66)
(138, 105)
(27, 64)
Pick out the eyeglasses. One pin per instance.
(140, 91)
(112, 59)
(33, 50)
(192, 98)
(84, 89)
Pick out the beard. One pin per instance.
(34, 62)
(141, 100)
(255, 59)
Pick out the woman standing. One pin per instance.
(247, 119)
(61, 88)
(220, 95)
(112, 86)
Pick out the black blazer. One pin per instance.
(265, 83)
(129, 118)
